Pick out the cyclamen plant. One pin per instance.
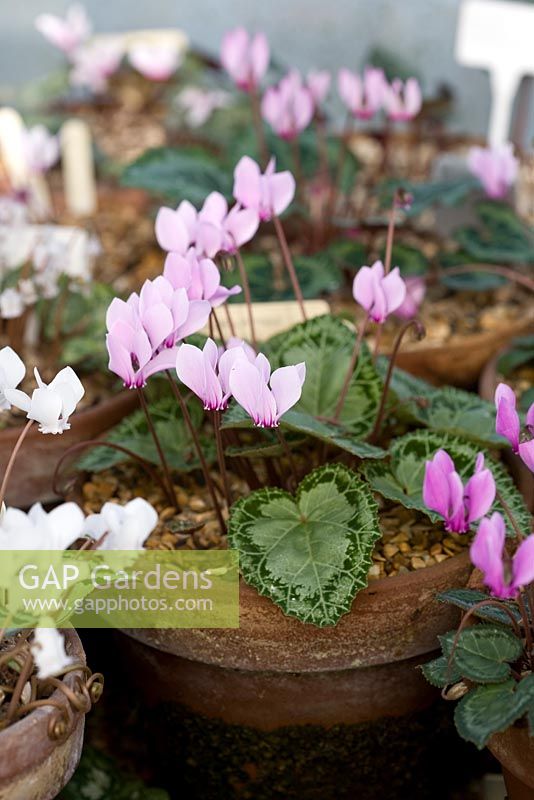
(488, 666)
(302, 420)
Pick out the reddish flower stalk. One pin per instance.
(420, 332)
(248, 298)
(12, 458)
(350, 370)
(169, 485)
(288, 262)
(198, 447)
(221, 458)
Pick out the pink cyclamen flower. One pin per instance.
(211, 230)
(402, 100)
(95, 63)
(415, 294)
(200, 277)
(199, 104)
(288, 107)
(362, 96)
(508, 424)
(268, 194)
(206, 373)
(318, 82)
(41, 149)
(245, 58)
(66, 33)
(504, 576)
(495, 167)
(444, 492)
(143, 331)
(377, 293)
(156, 62)
(266, 397)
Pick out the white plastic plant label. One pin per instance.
(497, 35)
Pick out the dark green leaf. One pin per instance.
(326, 344)
(492, 709)
(410, 260)
(467, 281)
(466, 599)
(402, 478)
(440, 672)
(178, 174)
(502, 237)
(133, 434)
(519, 353)
(426, 195)
(310, 553)
(483, 653)
(317, 275)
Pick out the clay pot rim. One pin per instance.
(458, 342)
(33, 724)
(381, 585)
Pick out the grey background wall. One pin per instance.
(307, 33)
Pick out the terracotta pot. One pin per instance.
(460, 361)
(34, 470)
(34, 766)
(280, 709)
(515, 750)
(523, 477)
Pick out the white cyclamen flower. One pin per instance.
(126, 527)
(41, 149)
(50, 404)
(39, 530)
(49, 654)
(11, 304)
(12, 371)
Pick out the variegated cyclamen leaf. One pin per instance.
(484, 653)
(326, 344)
(401, 478)
(492, 709)
(310, 553)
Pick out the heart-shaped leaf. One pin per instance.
(317, 275)
(426, 195)
(492, 709)
(178, 174)
(402, 478)
(309, 553)
(484, 653)
(303, 423)
(502, 237)
(459, 413)
(466, 599)
(326, 344)
(440, 672)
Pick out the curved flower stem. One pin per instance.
(466, 617)
(526, 624)
(229, 320)
(391, 234)
(350, 370)
(169, 491)
(288, 261)
(505, 272)
(393, 357)
(220, 457)
(258, 126)
(219, 329)
(156, 477)
(205, 469)
(11, 462)
(509, 513)
(248, 298)
(287, 452)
